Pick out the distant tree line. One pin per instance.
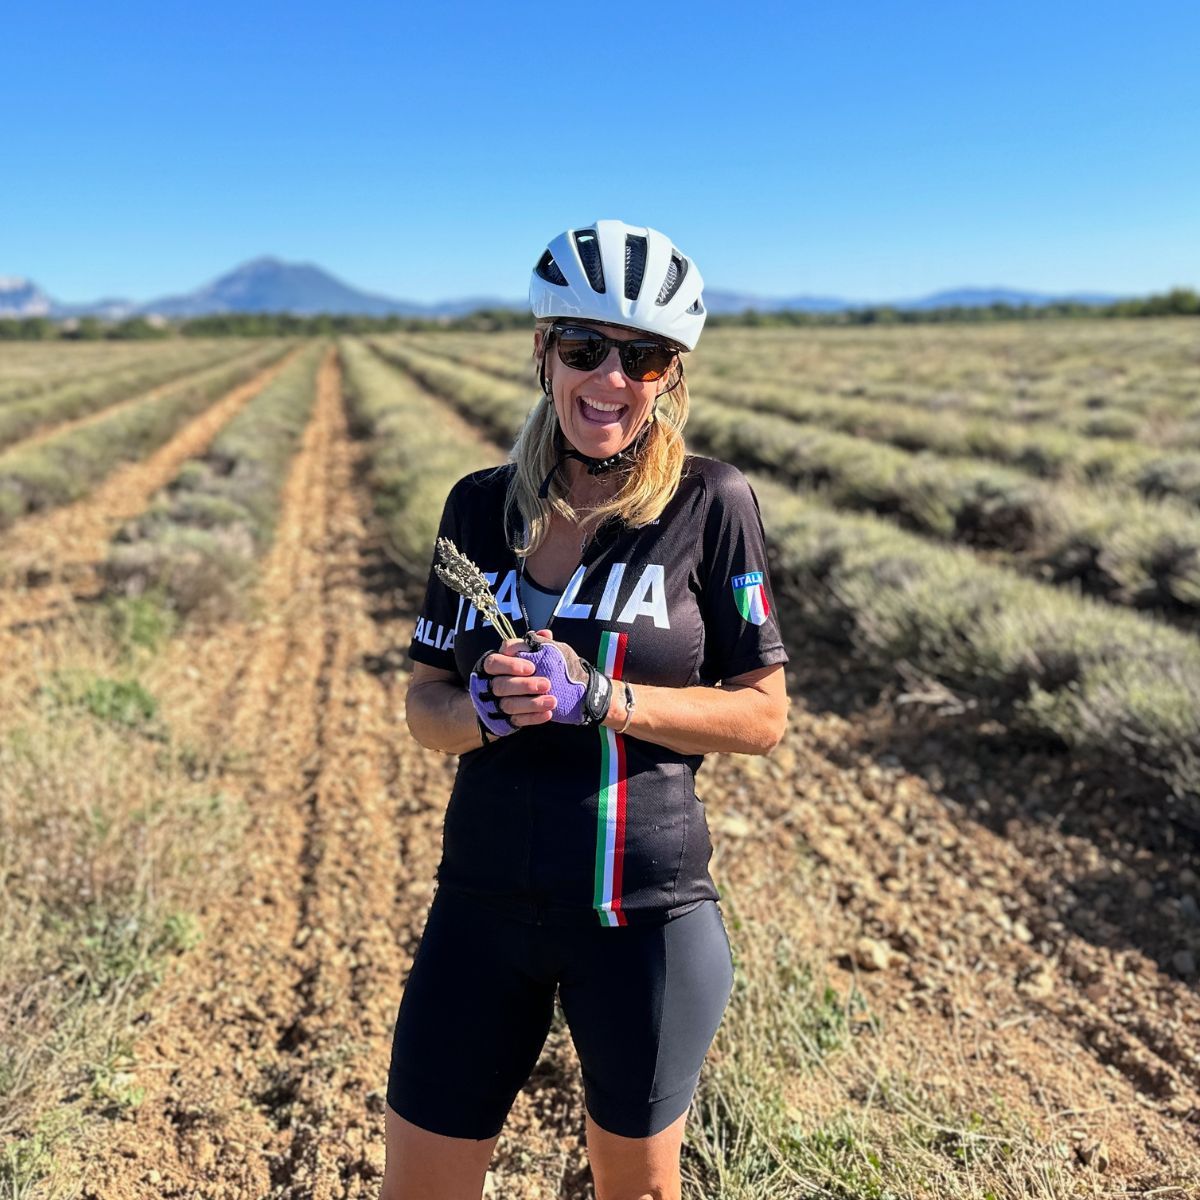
(1179, 302)
(32, 329)
(85, 329)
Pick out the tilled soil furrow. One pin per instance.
(349, 985)
(1029, 948)
(219, 1088)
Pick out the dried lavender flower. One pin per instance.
(460, 574)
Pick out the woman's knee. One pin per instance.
(635, 1168)
(422, 1165)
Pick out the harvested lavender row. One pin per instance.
(199, 541)
(65, 467)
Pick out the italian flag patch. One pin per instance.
(750, 598)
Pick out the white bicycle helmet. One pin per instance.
(620, 274)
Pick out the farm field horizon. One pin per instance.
(963, 894)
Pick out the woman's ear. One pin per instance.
(671, 380)
(539, 357)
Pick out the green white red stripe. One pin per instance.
(610, 816)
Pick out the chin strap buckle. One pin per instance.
(598, 466)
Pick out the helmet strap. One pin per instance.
(600, 466)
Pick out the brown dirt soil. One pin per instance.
(1028, 913)
(265, 1056)
(1023, 957)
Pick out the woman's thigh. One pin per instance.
(474, 1016)
(643, 1004)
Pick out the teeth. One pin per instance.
(602, 407)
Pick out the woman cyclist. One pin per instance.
(575, 851)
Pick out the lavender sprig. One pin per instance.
(459, 573)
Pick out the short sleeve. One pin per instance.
(433, 637)
(741, 626)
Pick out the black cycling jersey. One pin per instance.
(561, 823)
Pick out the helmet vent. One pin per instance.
(697, 308)
(675, 274)
(548, 269)
(635, 265)
(589, 254)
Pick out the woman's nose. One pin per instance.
(611, 370)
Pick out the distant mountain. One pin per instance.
(23, 298)
(976, 297)
(738, 302)
(271, 285)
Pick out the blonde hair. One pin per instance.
(646, 485)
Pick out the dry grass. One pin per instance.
(797, 1097)
(111, 838)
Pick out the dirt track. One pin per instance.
(264, 1056)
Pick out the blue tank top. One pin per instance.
(539, 601)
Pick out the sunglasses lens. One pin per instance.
(581, 349)
(585, 349)
(645, 361)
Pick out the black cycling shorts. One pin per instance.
(643, 1003)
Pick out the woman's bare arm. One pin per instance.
(744, 715)
(439, 711)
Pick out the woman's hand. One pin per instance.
(441, 713)
(506, 691)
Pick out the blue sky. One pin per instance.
(870, 150)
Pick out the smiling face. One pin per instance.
(602, 410)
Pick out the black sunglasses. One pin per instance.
(584, 349)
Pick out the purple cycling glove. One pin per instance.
(583, 693)
(488, 713)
